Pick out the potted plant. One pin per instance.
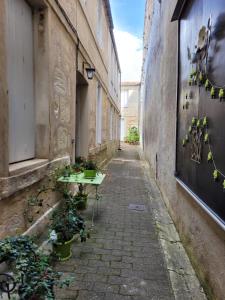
(39, 279)
(65, 224)
(67, 171)
(90, 169)
(32, 273)
(80, 201)
(77, 168)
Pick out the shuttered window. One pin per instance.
(99, 115)
(111, 123)
(20, 77)
(99, 22)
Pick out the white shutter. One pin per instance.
(99, 115)
(111, 123)
(20, 80)
(99, 22)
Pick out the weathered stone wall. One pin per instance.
(203, 239)
(84, 20)
(61, 48)
(63, 83)
(15, 193)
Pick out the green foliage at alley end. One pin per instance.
(133, 136)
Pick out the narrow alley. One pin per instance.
(112, 166)
(124, 259)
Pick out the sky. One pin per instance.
(128, 19)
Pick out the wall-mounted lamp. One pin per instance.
(90, 71)
(41, 27)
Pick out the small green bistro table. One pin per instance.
(80, 179)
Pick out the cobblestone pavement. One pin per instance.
(123, 260)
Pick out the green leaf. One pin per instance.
(207, 84)
(193, 73)
(200, 77)
(221, 93)
(205, 122)
(206, 138)
(193, 121)
(224, 184)
(212, 92)
(216, 175)
(210, 156)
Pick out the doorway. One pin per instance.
(81, 139)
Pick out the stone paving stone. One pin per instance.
(62, 294)
(123, 259)
(111, 258)
(95, 277)
(87, 295)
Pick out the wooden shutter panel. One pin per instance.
(20, 77)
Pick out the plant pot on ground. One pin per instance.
(65, 224)
(80, 201)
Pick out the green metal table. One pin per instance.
(80, 179)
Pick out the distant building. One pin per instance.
(130, 107)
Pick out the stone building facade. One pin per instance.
(130, 107)
(50, 111)
(201, 231)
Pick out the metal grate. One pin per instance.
(137, 207)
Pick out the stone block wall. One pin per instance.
(64, 41)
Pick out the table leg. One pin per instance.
(97, 205)
(93, 215)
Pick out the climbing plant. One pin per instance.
(198, 134)
(198, 131)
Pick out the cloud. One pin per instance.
(130, 55)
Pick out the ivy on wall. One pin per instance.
(199, 78)
(198, 133)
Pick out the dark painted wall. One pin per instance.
(210, 61)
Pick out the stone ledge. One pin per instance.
(23, 166)
(11, 185)
(98, 149)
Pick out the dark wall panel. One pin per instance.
(195, 101)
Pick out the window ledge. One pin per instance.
(30, 172)
(23, 166)
(98, 148)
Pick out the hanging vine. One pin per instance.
(198, 134)
(198, 131)
(198, 75)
